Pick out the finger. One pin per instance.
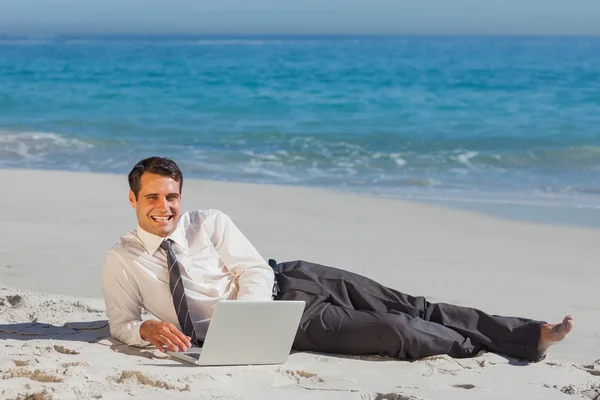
(176, 340)
(167, 342)
(182, 338)
(157, 344)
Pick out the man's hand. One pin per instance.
(164, 334)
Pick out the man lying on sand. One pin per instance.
(178, 266)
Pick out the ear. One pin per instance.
(132, 199)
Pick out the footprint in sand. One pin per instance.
(141, 379)
(595, 372)
(388, 396)
(302, 376)
(13, 300)
(464, 386)
(592, 369)
(441, 364)
(311, 381)
(37, 375)
(586, 390)
(64, 350)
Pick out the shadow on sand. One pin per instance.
(94, 331)
(88, 331)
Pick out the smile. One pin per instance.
(165, 218)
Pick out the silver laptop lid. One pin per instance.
(244, 332)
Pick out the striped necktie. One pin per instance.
(178, 292)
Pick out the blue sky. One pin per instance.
(302, 16)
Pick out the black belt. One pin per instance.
(273, 264)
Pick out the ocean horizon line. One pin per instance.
(293, 35)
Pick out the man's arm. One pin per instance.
(123, 301)
(124, 309)
(255, 277)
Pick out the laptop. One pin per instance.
(247, 332)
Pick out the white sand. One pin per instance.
(56, 226)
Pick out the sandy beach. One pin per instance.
(56, 227)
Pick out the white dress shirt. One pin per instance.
(217, 262)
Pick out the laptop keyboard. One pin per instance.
(193, 355)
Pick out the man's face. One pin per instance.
(158, 204)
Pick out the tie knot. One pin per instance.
(166, 244)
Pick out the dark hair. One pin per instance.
(154, 165)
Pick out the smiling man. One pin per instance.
(214, 261)
(178, 266)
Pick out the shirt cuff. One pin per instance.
(135, 335)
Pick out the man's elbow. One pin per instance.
(116, 332)
(126, 334)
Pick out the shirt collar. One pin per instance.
(152, 242)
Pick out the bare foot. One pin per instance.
(552, 333)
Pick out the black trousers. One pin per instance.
(347, 313)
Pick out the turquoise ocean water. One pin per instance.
(471, 120)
